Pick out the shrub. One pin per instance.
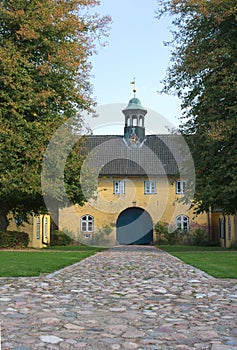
(14, 239)
(161, 230)
(233, 245)
(199, 237)
(163, 236)
(100, 238)
(196, 236)
(60, 237)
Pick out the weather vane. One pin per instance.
(134, 86)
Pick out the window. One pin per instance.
(222, 228)
(134, 120)
(149, 187)
(18, 220)
(182, 222)
(141, 121)
(45, 227)
(180, 186)
(128, 121)
(38, 228)
(119, 187)
(87, 223)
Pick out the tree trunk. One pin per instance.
(4, 222)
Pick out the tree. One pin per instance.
(45, 49)
(203, 73)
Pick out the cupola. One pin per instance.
(134, 129)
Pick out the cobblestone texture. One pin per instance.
(124, 298)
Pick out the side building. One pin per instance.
(38, 229)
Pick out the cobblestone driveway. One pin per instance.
(123, 298)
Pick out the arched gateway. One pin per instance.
(134, 226)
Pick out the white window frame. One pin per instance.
(38, 227)
(119, 187)
(87, 223)
(150, 187)
(45, 233)
(182, 222)
(181, 186)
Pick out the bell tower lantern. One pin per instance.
(134, 129)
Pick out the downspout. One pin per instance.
(209, 225)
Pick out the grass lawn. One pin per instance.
(216, 261)
(189, 248)
(23, 263)
(78, 248)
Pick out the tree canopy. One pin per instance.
(203, 73)
(45, 49)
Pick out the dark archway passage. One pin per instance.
(134, 226)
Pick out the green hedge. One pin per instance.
(197, 235)
(60, 238)
(14, 239)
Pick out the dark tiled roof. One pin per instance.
(159, 155)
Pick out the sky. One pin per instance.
(135, 49)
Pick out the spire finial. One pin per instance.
(134, 86)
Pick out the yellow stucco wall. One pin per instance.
(41, 231)
(162, 206)
(225, 228)
(38, 229)
(229, 236)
